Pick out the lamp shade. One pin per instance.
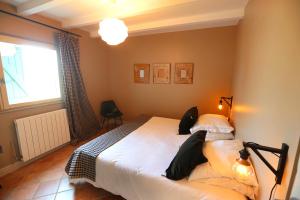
(113, 31)
(220, 106)
(242, 169)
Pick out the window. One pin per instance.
(28, 73)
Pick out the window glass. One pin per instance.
(30, 73)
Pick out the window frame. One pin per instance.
(4, 103)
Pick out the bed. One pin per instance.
(134, 167)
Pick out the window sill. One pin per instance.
(32, 106)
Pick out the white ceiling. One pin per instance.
(141, 16)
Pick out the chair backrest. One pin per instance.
(108, 107)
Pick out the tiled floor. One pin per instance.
(45, 179)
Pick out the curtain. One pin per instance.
(82, 119)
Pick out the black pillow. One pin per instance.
(188, 120)
(188, 157)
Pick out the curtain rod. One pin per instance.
(39, 23)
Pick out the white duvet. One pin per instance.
(133, 167)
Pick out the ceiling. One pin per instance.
(141, 16)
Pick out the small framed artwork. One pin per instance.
(184, 73)
(161, 73)
(141, 73)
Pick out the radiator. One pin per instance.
(41, 133)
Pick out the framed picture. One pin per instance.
(184, 73)
(141, 73)
(161, 73)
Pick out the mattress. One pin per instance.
(134, 167)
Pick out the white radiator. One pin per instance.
(41, 133)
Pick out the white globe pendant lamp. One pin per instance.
(113, 31)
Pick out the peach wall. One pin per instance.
(93, 61)
(267, 85)
(211, 50)
(264, 69)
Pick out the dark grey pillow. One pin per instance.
(188, 120)
(188, 157)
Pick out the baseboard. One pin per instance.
(18, 164)
(11, 168)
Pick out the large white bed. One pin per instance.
(133, 167)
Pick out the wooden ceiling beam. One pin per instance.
(140, 8)
(217, 19)
(36, 6)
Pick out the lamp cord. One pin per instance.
(271, 193)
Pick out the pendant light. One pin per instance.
(113, 31)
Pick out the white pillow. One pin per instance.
(222, 155)
(218, 136)
(217, 171)
(212, 123)
(203, 171)
(247, 190)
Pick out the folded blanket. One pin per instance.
(82, 163)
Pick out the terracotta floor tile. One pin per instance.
(65, 185)
(4, 193)
(48, 197)
(23, 193)
(65, 175)
(65, 195)
(87, 191)
(29, 179)
(41, 166)
(46, 188)
(45, 179)
(11, 181)
(50, 175)
(111, 198)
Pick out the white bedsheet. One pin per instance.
(133, 167)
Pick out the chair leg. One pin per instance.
(115, 120)
(110, 124)
(103, 122)
(106, 123)
(121, 120)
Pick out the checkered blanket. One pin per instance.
(82, 163)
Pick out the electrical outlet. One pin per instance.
(1, 149)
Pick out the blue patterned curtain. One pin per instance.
(82, 119)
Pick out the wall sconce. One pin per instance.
(227, 100)
(242, 167)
